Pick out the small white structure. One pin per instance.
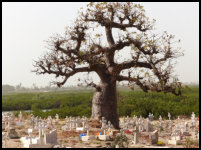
(169, 116)
(48, 141)
(135, 140)
(57, 118)
(103, 137)
(175, 139)
(85, 138)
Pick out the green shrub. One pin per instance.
(129, 103)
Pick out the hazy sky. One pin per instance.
(27, 25)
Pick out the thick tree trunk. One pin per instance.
(104, 103)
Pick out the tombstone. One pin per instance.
(20, 116)
(134, 120)
(198, 136)
(160, 118)
(30, 135)
(193, 121)
(41, 133)
(103, 121)
(151, 117)
(57, 118)
(154, 137)
(177, 129)
(49, 122)
(73, 122)
(169, 115)
(184, 128)
(160, 124)
(11, 122)
(178, 118)
(43, 124)
(148, 126)
(32, 121)
(104, 137)
(39, 141)
(12, 134)
(166, 127)
(175, 139)
(141, 125)
(130, 124)
(86, 137)
(77, 123)
(109, 125)
(136, 136)
(19, 121)
(28, 139)
(193, 115)
(67, 124)
(171, 124)
(36, 121)
(51, 138)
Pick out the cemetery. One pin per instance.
(126, 90)
(81, 132)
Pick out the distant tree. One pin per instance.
(92, 44)
(19, 86)
(35, 87)
(7, 88)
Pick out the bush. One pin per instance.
(129, 103)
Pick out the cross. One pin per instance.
(135, 140)
(109, 124)
(87, 128)
(178, 118)
(84, 120)
(40, 127)
(70, 121)
(32, 121)
(160, 118)
(103, 121)
(30, 135)
(57, 117)
(36, 120)
(43, 127)
(20, 116)
(104, 128)
(169, 115)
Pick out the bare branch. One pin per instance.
(136, 80)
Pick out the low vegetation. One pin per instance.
(130, 103)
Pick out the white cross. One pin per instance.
(41, 127)
(87, 128)
(160, 118)
(30, 135)
(169, 115)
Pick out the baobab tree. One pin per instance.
(92, 44)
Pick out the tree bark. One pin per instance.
(104, 103)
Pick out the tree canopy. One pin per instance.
(99, 33)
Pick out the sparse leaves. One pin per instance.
(80, 47)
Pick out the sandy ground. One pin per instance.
(71, 138)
